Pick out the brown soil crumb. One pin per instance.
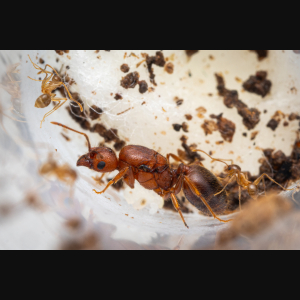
(293, 117)
(258, 84)
(225, 127)
(255, 218)
(177, 127)
(189, 155)
(254, 134)
(169, 68)
(119, 145)
(125, 68)
(41, 61)
(283, 169)
(189, 117)
(200, 112)
(178, 101)
(130, 80)
(285, 124)
(261, 54)
(118, 185)
(95, 112)
(61, 52)
(275, 120)
(143, 86)
(209, 126)
(168, 205)
(157, 60)
(109, 135)
(219, 142)
(251, 116)
(190, 53)
(185, 127)
(118, 97)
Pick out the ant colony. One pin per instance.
(159, 119)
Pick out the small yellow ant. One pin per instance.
(50, 83)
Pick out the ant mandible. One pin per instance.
(153, 172)
(234, 171)
(50, 83)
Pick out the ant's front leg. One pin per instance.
(118, 177)
(175, 157)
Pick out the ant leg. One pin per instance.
(118, 177)
(177, 207)
(215, 159)
(225, 186)
(197, 193)
(257, 181)
(81, 109)
(55, 108)
(175, 157)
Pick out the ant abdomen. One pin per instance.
(43, 101)
(208, 185)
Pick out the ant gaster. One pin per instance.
(234, 171)
(50, 83)
(153, 172)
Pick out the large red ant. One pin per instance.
(153, 172)
(234, 171)
(50, 83)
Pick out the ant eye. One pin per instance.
(101, 165)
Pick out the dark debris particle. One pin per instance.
(273, 124)
(119, 144)
(108, 135)
(143, 86)
(41, 61)
(125, 68)
(95, 112)
(251, 116)
(118, 97)
(185, 127)
(61, 52)
(258, 84)
(130, 80)
(209, 126)
(190, 53)
(261, 54)
(190, 155)
(177, 127)
(225, 127)
(157, 60)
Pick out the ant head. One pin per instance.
(56, 78)
(252, 189)
(43, 101)
(100, 159)
(232, 169)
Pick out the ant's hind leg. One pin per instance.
(258, 180)
(55, 108)
(177, 207)
(197, 193)
(119, 176)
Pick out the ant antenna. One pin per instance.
(215, 159)
(64, 126)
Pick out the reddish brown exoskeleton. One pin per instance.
(50, 83)
(153, 172)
